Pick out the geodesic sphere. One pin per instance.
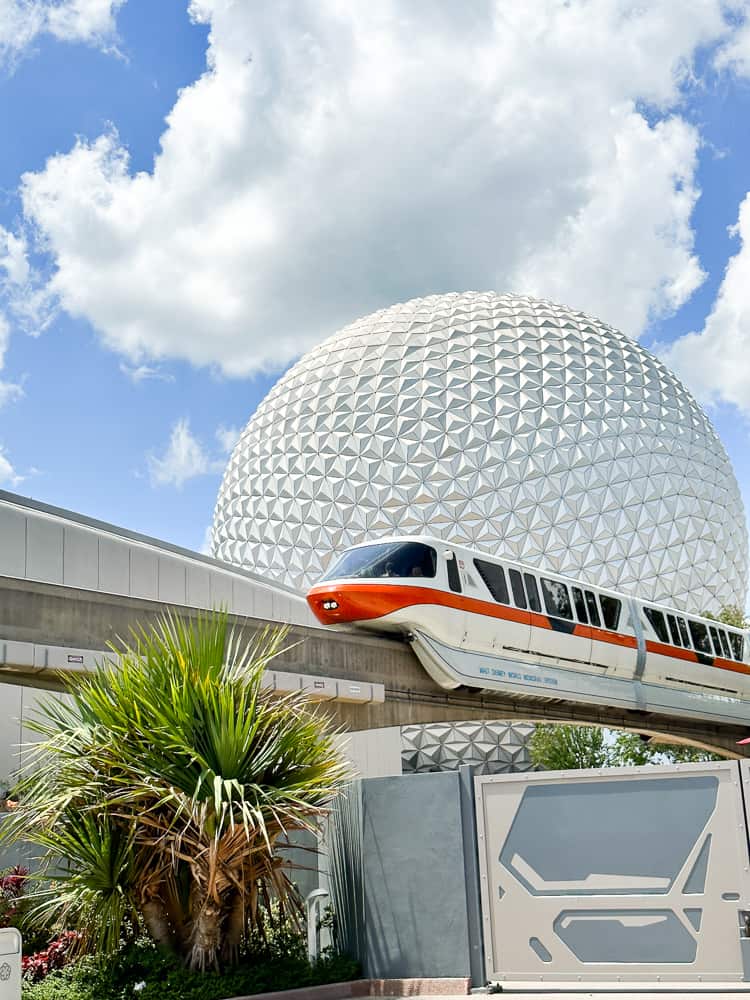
(510, 424)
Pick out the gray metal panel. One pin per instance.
(264, 605)
(243, 597)
(114, 566)
(587, 876)
(221, 590)
(10, 729)
(14, 503)
(172, 585)
(144, 573)
(415, 896)
(281, 608)
(198, 586)
(80, 558)
(471, 867)
(44, 550)
(13, 544)
(374, 753)
(17, 654)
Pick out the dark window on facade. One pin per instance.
(454, 576)
(556, 598)
(701, 642)
(725, 650)
(532, 592)
(516, 585)
(656, 618)
(684, 632)
(580, 605)
(676, 640)
(610, 610)
(494, 577)
(593, 609)
(737, 642)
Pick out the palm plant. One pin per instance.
(164, 786)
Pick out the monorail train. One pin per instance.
(487, 623)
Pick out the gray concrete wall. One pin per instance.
(16, 704)
(51, 545)
(416, 922)
(374, 753)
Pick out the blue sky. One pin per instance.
(193, 195)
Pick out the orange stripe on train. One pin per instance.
(367, 601)
(677, 653)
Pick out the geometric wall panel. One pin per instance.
(490, 747)
(510, 424)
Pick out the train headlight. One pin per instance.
(330, 605)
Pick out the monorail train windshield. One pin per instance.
(387, 559)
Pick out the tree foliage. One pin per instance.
(730, 614)
(630, 748)
(562, 748)
(163, 788)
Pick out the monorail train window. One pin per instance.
(683, 632)
(556, 598)
(737, 642)
(494, 576)
(454, 575)
(720, 647)
(676, 640)
(532, 592)
(593, 609)
(580, 605)
(610, 610)
(701, 642)
(656, 618)
(725, 650)
(385, 559)
(516, 584)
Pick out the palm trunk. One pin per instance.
(156, 918)
(234, 928)
(205, 937)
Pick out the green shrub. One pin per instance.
(141, 972)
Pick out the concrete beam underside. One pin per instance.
(64, 616)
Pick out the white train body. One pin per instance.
(490, 623)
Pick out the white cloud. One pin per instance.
(22, 21)
(10, 392)
(207, 544)
(28, 302)
(714, 362)
(8, 475)
(652, 272)
(734, 55)
(184, 458)
(144, 373)
(337, 157)
(227, 437)
(25, 302)
(90, 21)
(187, 457)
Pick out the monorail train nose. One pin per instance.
(331, 607)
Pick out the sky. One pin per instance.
(192, 194)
